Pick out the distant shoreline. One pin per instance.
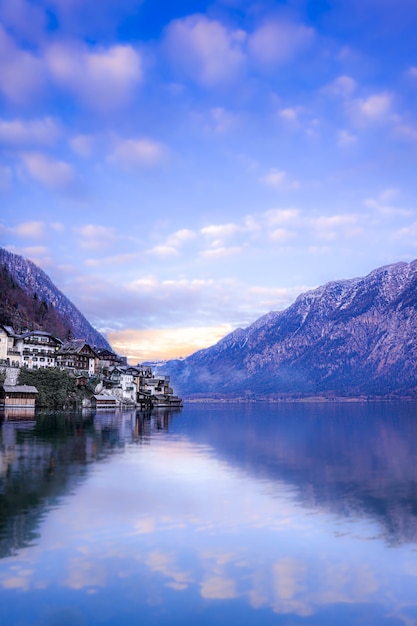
(305, 400)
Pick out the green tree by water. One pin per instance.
(57, 389)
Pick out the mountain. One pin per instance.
(30, 299)
(353, 337)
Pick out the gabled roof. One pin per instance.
(104, 352)
(20, 389)
(103, 396)
(74, 347)
(9, 330)
(42, 333)
(122, 369)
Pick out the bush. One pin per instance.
(57, 389)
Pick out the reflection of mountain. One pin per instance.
(353, 460)
(43, 461)
(349, 459)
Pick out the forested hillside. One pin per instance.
(23, 311)
(31, 300)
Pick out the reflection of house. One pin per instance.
(18, 396)
(37, 348)
(77, 355)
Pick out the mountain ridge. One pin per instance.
(36, 283)
(353, 337)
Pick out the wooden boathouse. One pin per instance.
(18, 396)
(104, 402)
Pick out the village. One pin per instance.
(114, 382)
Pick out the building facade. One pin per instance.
(37, 349)
(77, 355)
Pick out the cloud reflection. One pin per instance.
(169, 514)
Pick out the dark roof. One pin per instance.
(42, 333)
(74, 347)
(20, 389)
(9, 330)
(103, 396)
(103, 352)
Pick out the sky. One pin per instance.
(181, 168)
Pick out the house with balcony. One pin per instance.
(107, 359)
(121, 382)
(9, 354)
(77, 356)
(37, 349)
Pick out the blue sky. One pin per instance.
(181, 168)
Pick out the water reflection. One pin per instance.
(292, 514)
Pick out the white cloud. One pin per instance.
(341, 87)
(173, 243)
(382, 205)
(82, 144)
(375, 108)
(138, 152)
(220, 230)
(282, 216)
(279, 179)
(180, 237)
(23, 18)
(405, 131)
(407, 232)
(19, 132)
(35, 251)
(163, 251)
(163, 343)
(289, 114)
(51, 173)
(204, 50)
(334, 226)
(221, 120)
(115, 259)
(33, 230)
(275, 298)
(346, 138)
(278, 41)
(92, 231)
(281, 235)
(95, 237)
(389, 194)
(58, 227)
(219, 588)
(252, 224)
(220, 252)
(21, 72)
(103, 78)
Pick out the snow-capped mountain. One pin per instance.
(346, 338)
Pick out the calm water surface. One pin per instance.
(220, 514)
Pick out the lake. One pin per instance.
(284, 514)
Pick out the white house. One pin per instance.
(37, 349)
(8, 352)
